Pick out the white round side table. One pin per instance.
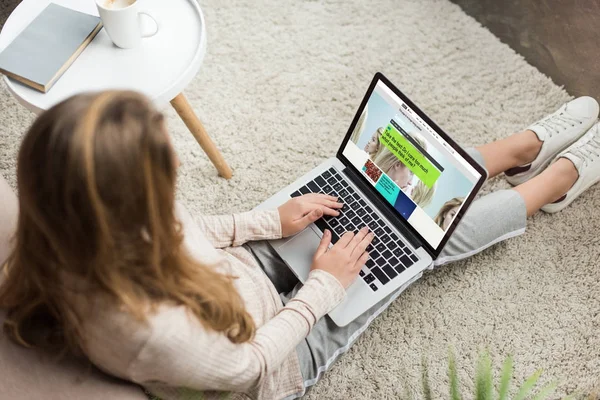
(160, 68)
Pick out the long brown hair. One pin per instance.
(96, 179)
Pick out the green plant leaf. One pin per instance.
(505, 377)
(484, 384)
(546, 391)
(453, 376)
(425, 380)
(528, 385)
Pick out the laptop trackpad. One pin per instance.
(298, 252)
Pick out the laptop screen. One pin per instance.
(410, 164)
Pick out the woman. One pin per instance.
(447, 212)
(373, 146)
(106, 264)
(402, 176)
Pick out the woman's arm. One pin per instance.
(290, 218)
(181, 353)
(232, 230)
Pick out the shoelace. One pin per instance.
(563, 120)
(590, 149)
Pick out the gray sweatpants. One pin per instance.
(476, 232)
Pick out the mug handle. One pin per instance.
(147, 35)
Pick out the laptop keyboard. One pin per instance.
(389, 256)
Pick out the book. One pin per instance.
(48, 46)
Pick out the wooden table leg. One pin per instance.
(187, 114)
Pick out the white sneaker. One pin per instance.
(557, 131)
(585, 155)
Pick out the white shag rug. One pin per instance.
(277, 92)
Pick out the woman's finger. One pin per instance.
(307, 208)
(344, 240)
(324, 245)
(327, 202)
(362, 260)
(321, 200)
(364, 243)
(310, 217)
(330, 211)
(321, 196)
(360, 235)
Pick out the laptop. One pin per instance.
(399, 174)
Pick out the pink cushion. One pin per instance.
(29, 375)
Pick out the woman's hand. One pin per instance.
(345, 259)
(299, 212)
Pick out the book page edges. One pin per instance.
(72, 59)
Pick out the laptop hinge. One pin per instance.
(398, 222)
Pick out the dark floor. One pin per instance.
(558, 37)
(6, 7)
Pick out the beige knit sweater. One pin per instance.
(174, 357)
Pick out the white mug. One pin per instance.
(121, 19)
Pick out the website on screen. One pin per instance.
(409, 164)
